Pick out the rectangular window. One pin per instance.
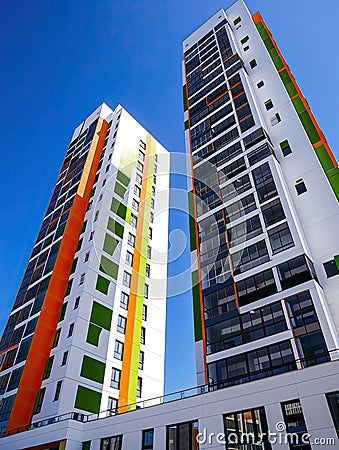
(331, 268)
(300, 187)
(138, 178)
(183, 436)
(143, 335)
(137, 190)
(295, 271)
(135, 205)
(253, 63)
(133, 221)
(129, 258)
(115, 378)
(39, 401)
(111, 443)
(131, 239)
(280, 238)
(57, 391)
(64, 359)
(112, 405)
(82, 279)
(139, 387)
(285, 148)
(148, 270)
(275, 119)
(333, 403)
(141, 360)
(140, 166)
(121, 326)
(247, 429)
(70, 330)
(118, 350)
(144, 312)
(146, 289)
(76, 303)
(147, 439)
(268, 104)
(273, 212)
(295, 425)
(124, 300)
(56, 338)
(126, 281)
(260, 84)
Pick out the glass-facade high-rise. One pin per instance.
(263, 207)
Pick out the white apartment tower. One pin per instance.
(87, 329)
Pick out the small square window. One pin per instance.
(285, 148)
(253, 64)
(260, 84)
(331, 268)
(237, 20)
(244, 40)
(246, 48)
(268, 104)
(300, 187)
(275, 119)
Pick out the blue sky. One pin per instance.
(61, 59)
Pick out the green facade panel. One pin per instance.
(123, 178)
(92, 369)
(87, 399)
(102, 284)
(333, 178)
(110, 244)
(324, 158)
(196, 307)
(93, 334)
(184, 97)
(101, 315)
(115, 227)
(288, 83)
(118, 208)
(109, 267)
(119, 190)
(191, 219)
(336, 259)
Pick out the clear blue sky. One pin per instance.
(61, 59)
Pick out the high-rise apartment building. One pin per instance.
(263, 206)
(87, 328)
(264, 193)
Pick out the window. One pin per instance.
(295, 425)
(91, 236)
(62, 312)
(141, 360)
(152, 203)
(273, 212)
(96, 216)
(250, 257)
(182, 436)
(285, 148)
(260, 84)
(237, 20)
(135, 205)
(118, 350)
(112, 404)
(143, 336)
(121, 326)
(144, 312)
(149, 252)
(141, 156)
(129, 258)
(150, 233)
(124, 300)
(146, 289)
(138, 178)
(280, 238)
(246, 48)
(256, 287)
(107, 168)
(331, 268)
(253, 63)
(148, 270)
(131, 239)
(82, 279)
(64, 358)
(133, 221)
(244, 40)
(275, 119)
(57, 391)
(333, 403)
(137, 190)
(300, 187)
(111, 443)
(247, 429)
(140, 166)
(147, 439)
(295, 271)
(70, 330)
(126, 280)
(115, 378)
(139, 387)
(268, 104)
(76, 303)
(56, 338)
(151, 217)
(39, 401)
(86, 257)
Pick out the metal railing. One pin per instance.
(171, 397)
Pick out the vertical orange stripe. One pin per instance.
(44, 333)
